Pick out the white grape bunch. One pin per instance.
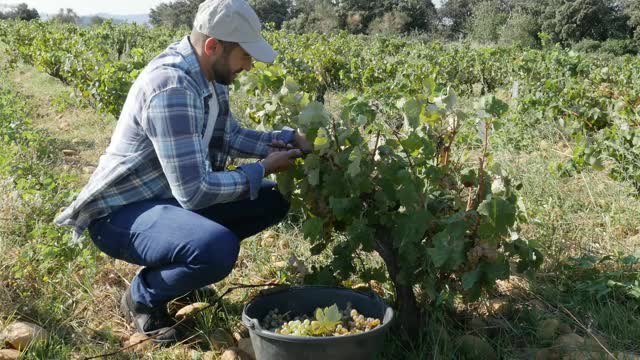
(327, 321)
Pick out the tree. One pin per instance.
(454, 14)
(66, 16)
(422, 14)
(487, 20)
(569, 21)
(632, 11)
(96, 20)
(521, 29)
(392, 22)
(23, 12)
(273, 11)
(174, 14)
(319, 16)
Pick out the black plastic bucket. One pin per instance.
(304, 300)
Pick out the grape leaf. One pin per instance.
(494, 106)
(312, 229)
(354, 167)
(322, 140)
(326, 320)
(313, 115)
(449, 246)
(411, 110)
(500, 213)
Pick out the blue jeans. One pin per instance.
(183, 250)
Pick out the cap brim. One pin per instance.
(260, 50)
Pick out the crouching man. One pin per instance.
(161, 197)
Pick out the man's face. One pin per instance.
(232, 61)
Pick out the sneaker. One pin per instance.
(151, 321)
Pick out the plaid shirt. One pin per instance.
(157, 152)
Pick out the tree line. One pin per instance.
(522, 22)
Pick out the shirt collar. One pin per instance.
(186, 49)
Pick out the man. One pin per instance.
(161, 197)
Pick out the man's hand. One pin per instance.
(277, 146)
(301, 142)
(279, 161)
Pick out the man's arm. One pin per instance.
(170, 121)
(253, 143)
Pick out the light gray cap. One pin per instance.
(234, 21)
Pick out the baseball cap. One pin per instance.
(234, 21)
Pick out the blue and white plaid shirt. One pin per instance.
(157, 152)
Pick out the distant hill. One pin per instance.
(142, 19)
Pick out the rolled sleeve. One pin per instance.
(255, 173)
(253, 143)
(287, 135)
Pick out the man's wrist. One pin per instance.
(264, 168)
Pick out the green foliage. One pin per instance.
(394, 22)
(399, 195)
(383, 175)
(21, 12)
(486, 22)
(326, 320)
(174, 14)
(571, 21)
(521, 29)
(457, 13)
(588, 46)
(272, 11)
(617, 47)
(66, 16)
(610, 276)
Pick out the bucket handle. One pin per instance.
(250, 323)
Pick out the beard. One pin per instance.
(221, 71)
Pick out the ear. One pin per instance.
(212, 47)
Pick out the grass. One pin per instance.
(74, 291)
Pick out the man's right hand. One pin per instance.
(280, 161)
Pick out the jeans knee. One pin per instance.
(217, 254)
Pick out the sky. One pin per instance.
(91, 7)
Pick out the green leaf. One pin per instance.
(312, 228)
(411, 110)
(322, 140)
(494, 106)
(449, 248)
(500, 214)
(409, 233)
(343, 207)
(360, 233)
(354, 167)
(314, 177)
(286, 182)
(326, 320)
(313, 116)
(469, 279)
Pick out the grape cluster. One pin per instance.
(352, 322)
(357, 323)
(482, 251)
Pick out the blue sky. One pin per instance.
(90, 7)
